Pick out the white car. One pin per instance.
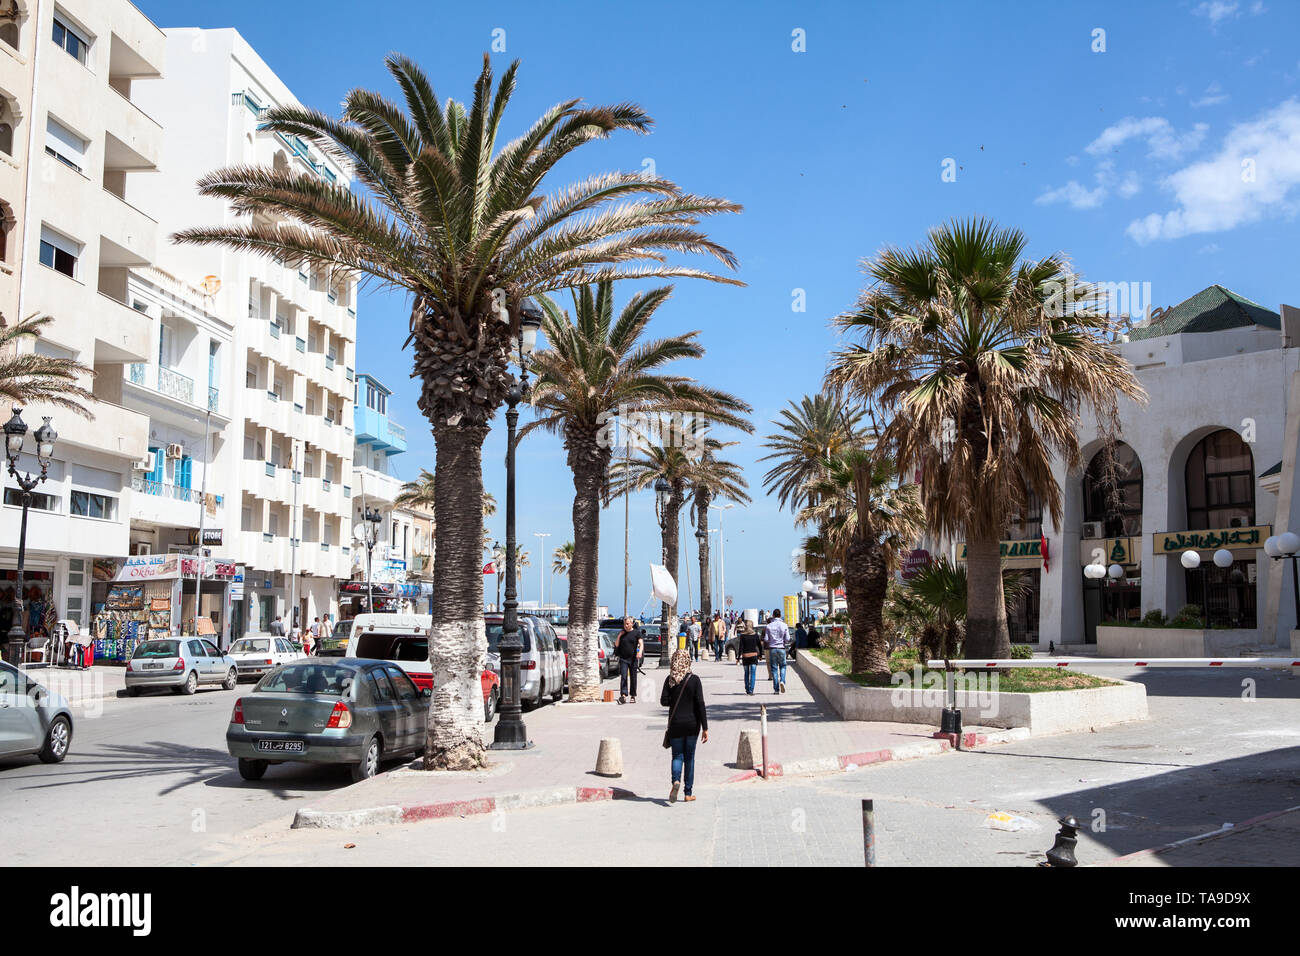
(255, 656)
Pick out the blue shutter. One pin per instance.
(183, 472)
(157, 473)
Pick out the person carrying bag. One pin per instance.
(683, 695)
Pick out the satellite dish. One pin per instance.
(358, 532)
(210, 285)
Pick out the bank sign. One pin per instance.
(1020, 553)
(1233, 539)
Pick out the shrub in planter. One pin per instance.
(1189, 615)
(1021, 652)
(1155, 618)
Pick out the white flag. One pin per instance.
(662, 586)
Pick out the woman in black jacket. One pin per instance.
(751, 650)
(683, 695)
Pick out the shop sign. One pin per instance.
(237, 584)
(1027, 552)
(1124, 551)
(212, 568)
(149, 567)
(1233, 539)
(211, 537)
(916, 559)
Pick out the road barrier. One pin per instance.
(1271, 663)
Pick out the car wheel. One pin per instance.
(490, 707)
(57, 739)
(191, 683)
(369, 763)
(232, 679)
(133, 692)
(556, 697)
(252, 769)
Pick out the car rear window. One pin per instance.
(328, 680)
(157, 649)
(494, 632)
(259, 646)
(392, 647)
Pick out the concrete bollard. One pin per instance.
(748, 750)
(609, 697)
(609, 759)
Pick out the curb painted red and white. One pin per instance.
(379, 816)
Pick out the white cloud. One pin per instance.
(1213, 96)
(1216, 10)
(1255, 174)
(1078, 196)
(1208, 250)
(1257, 8)
(1161, 139)
(1130, 185)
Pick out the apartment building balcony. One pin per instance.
(375, 485)
(132, 138)
(264, 550)
(266, 480)
(138, 49)
(161, 502)
(378, 430)
(112, 430)
(128, 236)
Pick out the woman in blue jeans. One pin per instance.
(751, 651)
(683, 695)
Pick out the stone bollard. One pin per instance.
(748, 752)
(609, 759)
(609, 697)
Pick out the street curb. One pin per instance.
(379, 816)
(846, 762)
(1200, 838)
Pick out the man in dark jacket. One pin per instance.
(629, 645)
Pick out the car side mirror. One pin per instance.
(426, 692)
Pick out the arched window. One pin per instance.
(7, 223)
(12, 15)
(1114, 500)
(1220, 482)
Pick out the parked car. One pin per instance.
(33, 720)
(336, 710)
(608, 657)
(543, 668)
(255, 656)
(336, 645)
(180, 663)
(403, 639)
(653, 639)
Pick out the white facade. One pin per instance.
(286, 515)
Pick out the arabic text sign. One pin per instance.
(1233, 539)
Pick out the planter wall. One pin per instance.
(1047, 712)
(1172, 641)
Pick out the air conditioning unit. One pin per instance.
(142, 547)
(146, 465)
(175, 450)
(1092, 529)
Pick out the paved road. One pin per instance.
(1208, 756)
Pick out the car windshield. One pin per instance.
(247, 646)
(494, 632)
(329, 680)
(157, 649)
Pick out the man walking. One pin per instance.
(629, 646)
(777, 638)
(693, 635)
(719, 627)
(277, 627)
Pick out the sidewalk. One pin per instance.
(1269, 840)
(804, 736)
(82, 688)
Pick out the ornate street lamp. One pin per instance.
(663, 491)
(511, 734)
(498, 562)
(370, 518)
(1283, 547)
(15, 432)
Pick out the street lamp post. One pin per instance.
(511, 734)
(370, 518)
(1283, 547)
(663, 489)
(15, 432)
(498, 559)
(722, 554)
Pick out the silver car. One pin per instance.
(32, 719)
(543, 670)
(181, 664)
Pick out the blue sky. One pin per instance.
(1171, 156)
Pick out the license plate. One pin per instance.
(280, 746)
(152, 666)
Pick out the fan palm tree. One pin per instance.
(563, 558)
(935, 598)
(711, 479)
(671, 464)
(869, 521)
(467, 230)
(27, 378)
(599, 371)
(421, 493)
(982, 364)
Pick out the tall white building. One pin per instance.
(77, 149)
(286, 508)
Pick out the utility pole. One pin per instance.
(203, 507)
(627, 504)
(294, 479)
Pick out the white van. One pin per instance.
(400, 638)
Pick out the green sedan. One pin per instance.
(328, 710)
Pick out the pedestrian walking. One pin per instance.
(694, 634)
(719, 629)
(750, 652)
(683, 695)
(314, 630)
(629, 647)
(326, 631)
(277, 627)
(777, 638)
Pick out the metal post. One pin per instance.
(762, 724)
(203, 507)
(511, 734)
(17, 632)
(869, 832)
(1295, 591)
(294, 479)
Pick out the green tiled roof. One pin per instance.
(1275, 470)
(1210, 310)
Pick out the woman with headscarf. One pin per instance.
(750, 651)
(683, 695)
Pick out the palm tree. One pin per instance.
(27, 378)
(869, 520)
(982, 363)
(711, 479)
(468, 231)
(673, 465)
(521, 561)
(816, 429)
(935, 599)
(421, 493)
(598, 371)
(563, 558)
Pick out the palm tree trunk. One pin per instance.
(668, 613)
(866, 578)
(457, 643)
(986, 610)
(584, 624)
(702, 498)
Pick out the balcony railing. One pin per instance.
(397, 431)
(329, 361)
(165, 381)
(275, 330)
(270, 470)
(164, 489)
(214, 398)
(297, 408)
(268, 537)
(300, 344)
(347, 491)
(273, 396)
